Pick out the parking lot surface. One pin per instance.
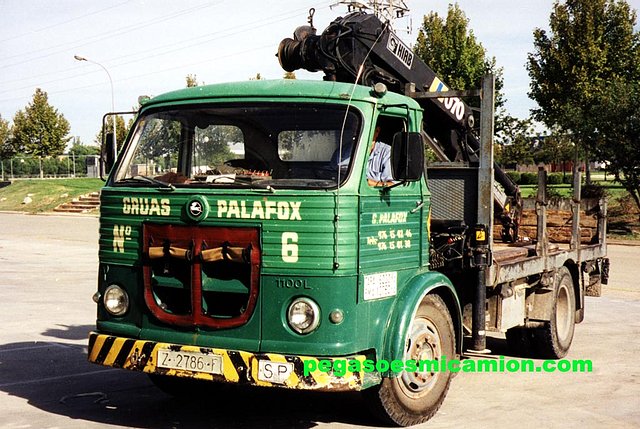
(48, 268)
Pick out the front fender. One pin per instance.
(405, 308)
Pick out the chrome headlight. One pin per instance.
(116, 300)
(303, 315)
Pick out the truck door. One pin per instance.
(391, 216)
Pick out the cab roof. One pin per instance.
(283, 88)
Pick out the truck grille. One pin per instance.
(201, 276)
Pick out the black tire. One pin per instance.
(554, 339)
(413, 398)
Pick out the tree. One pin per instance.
(79, 149)
(514, 142)
(618, 138)
(6, 148)
(289, 75)
(212, 144)
(122, 130)
(453, 52)
(592, 45)
(555, 148)
(39, 129)
(192, 81)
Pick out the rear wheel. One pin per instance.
(554, 339)
(413, 398)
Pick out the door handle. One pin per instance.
(419, 205)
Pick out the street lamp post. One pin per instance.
(113, 107)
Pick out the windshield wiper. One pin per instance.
(147, 179)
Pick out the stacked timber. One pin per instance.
(559, 226)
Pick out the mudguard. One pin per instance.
(406, 306)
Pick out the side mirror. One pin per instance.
(407, 157)
(110, 152)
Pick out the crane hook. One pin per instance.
(312, 11)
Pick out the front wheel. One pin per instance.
(414, 397)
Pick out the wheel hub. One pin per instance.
(424, 345)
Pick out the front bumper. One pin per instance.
(239, 367)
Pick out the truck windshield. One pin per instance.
(268, 145)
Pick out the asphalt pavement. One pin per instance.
(48, 268)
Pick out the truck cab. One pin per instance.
(241, 241)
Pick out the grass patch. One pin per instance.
(613, 190)
(46, 193)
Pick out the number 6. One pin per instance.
(290, 247)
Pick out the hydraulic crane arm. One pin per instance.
(361, 47)
(362, 40)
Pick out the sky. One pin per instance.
(148, 47)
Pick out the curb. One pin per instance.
(616, 242)
(49, 213)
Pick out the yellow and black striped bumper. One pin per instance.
(237, 366)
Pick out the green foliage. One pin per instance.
(212, 144)
(554, 179)
(532, 178)
(79, 153)
(79, 149)
(429, 155)
(515, 176)
(554, 192)
(618, 140)
(555, 148)
(585, 76)
(122, 130)
(591, 44)
(51, 166)
(528, 179)
(40, 129)
(6, 148)
(515, 141)
(593, 190)
(454, 53)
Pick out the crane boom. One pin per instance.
(359, 47)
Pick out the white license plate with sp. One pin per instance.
(274, 372)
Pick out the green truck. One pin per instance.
(243, 241)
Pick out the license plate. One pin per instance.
(190, 361)
(274, 372)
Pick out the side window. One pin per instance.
(316, 154)
(379, 162)
(307, 145)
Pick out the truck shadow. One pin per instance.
(66, 332)
(56, 378)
